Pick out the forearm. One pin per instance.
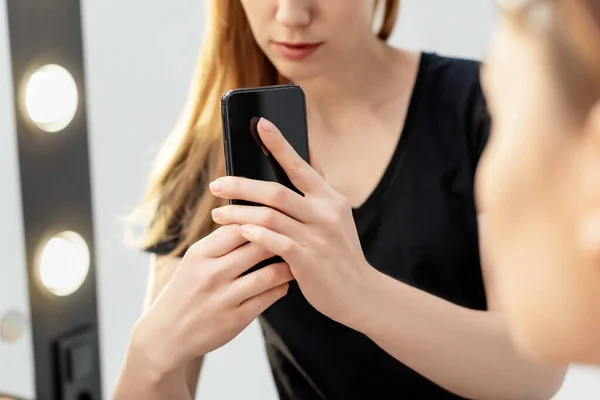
(464, 351)
(144, 374)
(135, 383)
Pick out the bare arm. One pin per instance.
(161, 270)
(465, 351)
(180, 384)
(194, 306)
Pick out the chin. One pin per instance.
(297, 73)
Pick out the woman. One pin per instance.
(539, 184)
(387, 296)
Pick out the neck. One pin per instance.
(364, 80)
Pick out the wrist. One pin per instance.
(155, 357)
(364, 306)
(140, 379)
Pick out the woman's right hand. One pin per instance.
(208, 301)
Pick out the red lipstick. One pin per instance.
(297, 51)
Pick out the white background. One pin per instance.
(139, 60)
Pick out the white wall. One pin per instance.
(139, 59)
(458, 28)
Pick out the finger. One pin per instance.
(274, 242)
(253, 307)
(263, 216)
(300, 173)
(243, 258)
(270, 194)
(260, 281)
(314, 162)
(220, 242)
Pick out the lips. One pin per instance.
(297, 51)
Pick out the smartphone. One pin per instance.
(245, 154)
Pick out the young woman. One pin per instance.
(387, 297)
(539, 184)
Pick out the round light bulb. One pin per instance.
(51, 98)
(64, 263)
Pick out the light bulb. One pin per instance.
(64, 263)
(51, 98)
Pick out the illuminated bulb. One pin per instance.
(51, 98)
(64, 263)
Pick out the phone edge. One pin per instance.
(225, 131)
(305, 111)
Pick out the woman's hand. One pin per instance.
(315, 233)
(207, 302)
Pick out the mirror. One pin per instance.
(88, 95)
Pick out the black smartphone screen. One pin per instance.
(246, 155)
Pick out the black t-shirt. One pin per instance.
(419, 226)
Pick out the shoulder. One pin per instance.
(452, 78)
(452, 65)
(455, 96)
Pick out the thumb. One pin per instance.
(314, 163)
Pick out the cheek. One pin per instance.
(516, 169)
(348, 18)
(526, 184)
(507, 174)
(257, 15)
(526, 237)
(504, 173)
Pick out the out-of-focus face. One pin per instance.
(537, 185)
(309, 38)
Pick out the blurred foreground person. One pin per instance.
(539, 180)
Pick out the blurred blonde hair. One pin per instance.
(177, 198)
(570, 31)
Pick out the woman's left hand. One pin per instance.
(315, 233)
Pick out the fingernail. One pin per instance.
(266, 125)
(216, 213)
(216, 186)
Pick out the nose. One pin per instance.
(294, 13)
